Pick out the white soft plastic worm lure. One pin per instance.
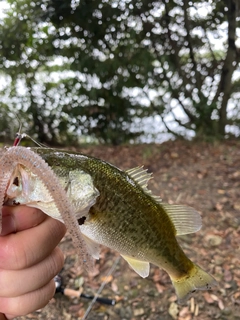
(24, 156)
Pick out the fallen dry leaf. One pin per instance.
(107, 279)
(173, 310)
(204, 176)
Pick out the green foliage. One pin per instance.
(93, 67)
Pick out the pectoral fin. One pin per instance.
(141, 267)
(92, 246)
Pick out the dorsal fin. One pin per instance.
(141, 177)
(185, 219)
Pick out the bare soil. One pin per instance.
(203, 175)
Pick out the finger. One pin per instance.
(17, 218)
(11, 281)
(26, 248)
(29, 302)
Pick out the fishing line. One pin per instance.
(19, 136)
(101, 288)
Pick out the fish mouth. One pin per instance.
(15, 182)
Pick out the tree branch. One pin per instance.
(170, 130)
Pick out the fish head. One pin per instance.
(26, 188)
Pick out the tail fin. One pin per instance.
(196, 280)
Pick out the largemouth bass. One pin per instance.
(115, 209)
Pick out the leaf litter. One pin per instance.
(205, 176)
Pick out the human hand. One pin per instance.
(29, 260)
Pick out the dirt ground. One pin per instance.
(204, 176)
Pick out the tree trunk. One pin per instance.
(225, 85)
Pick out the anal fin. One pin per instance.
(141, 267)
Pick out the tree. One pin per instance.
(93, 67)
(199, 76)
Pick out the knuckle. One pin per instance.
(55, 262)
